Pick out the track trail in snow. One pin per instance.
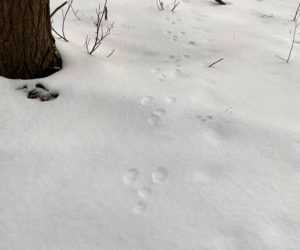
(143, 192)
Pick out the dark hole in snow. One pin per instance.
(39, 92)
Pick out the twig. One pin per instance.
(58, 8)
(63, 36)
(160, 4)
(293, 42)
(75, 12)
(106, 13)
(297, 12)
(216, 62)
(100, 34)
(175, 5)
(109, 55)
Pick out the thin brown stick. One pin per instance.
(58, 8)
(160, 4)
(100, 33)
(297, 12)
(110, 54)
(175, 5)
(216, 62)
(293, 42)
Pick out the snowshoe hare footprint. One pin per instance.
(130, 176)
(159, 175)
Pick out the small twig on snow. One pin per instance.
(110, 54)
(216, 62)
(175, 5)
(297, 12)
(58, 8)
(160, 4)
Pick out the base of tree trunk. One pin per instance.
(54, 66)
(27, 47)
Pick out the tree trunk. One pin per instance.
(27, 47)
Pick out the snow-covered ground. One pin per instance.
(150, 148)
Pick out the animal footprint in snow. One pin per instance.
(152, 71)
(170, 100)
(204, 118)
(139, 208)
(192, 43)
(159, 112)
(176, 72)
(229, 110)
(162, 77)
(159, 175)
(130, 176)
(146, 100)
(153, 119)
(178, 60)
(144, 192)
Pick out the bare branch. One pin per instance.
(100, 33)
(75, 12)
(160, 4)
(297, 13)
(109, 55)
(64, 14)
(58, 8)
(216, 62)
(175, 5)
(296, 25)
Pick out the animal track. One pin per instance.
(205, 118)
(139, 208)
(192, 43)
(176, 71)
(153, 119)
(130, 176)
(159, 112)
(162, 77)
(144, 192)
(229, 110)
(159, 175)
(146, 100)
(170, 100)
(152, 71)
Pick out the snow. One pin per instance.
(152, 149)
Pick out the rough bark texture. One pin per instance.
(27, 47)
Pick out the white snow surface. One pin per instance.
(150, 148)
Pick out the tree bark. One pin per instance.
(27, 47)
